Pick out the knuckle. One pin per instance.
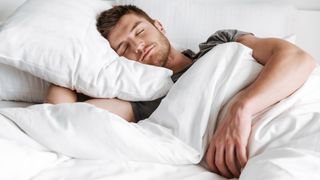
(229, 143)
(238, 142)
(220, 143)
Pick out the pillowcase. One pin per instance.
(18, 85)
(58, 41)
(21, 86)
(191, 22)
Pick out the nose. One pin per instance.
(138, 45)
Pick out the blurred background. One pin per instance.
(305, 23)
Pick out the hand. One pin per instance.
(227, 154)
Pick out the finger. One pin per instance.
(210, 158)
(231, 160)
(220, 162)
(241, 155)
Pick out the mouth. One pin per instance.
(147, 52)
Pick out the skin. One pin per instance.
(140, 40)
(227, 152)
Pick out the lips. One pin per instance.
(147, 52)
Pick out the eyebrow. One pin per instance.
(133, 27)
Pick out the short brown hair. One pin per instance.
(109, 18)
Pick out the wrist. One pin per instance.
(244, 104)
(238, 111)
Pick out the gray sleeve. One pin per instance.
(219, 37)
(143, 109)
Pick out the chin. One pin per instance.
(159, 63)
(158, 60)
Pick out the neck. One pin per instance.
(177, 61)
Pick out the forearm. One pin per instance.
(286, 68)
(283, 74)
(57, 94)
(119, 107)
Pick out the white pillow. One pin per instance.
(57, 40)
(18, 85)
(186, 114)
(21, 86)
(191, 22)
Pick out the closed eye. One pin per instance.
(122, 50)
(125, 50)
(139, 32)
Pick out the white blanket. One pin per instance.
(176, 134)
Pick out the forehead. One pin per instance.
(124, 26)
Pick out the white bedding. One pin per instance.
(79, 141)
(6, 104)
(33, 161)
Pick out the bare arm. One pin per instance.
(57, 94)
(286, 68)
(119, 107)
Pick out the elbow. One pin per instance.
(309, 62)
(303, 59)
(57, 95)
(49, 100)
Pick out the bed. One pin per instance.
(5, 104)
(285, 143)
(80, 141)
(36, 164)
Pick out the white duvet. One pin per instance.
(80, 141)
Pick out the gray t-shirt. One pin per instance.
(143, 109)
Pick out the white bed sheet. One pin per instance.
(5, 104)
(283, 138)
(39, 164)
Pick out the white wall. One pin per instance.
(306, 4)
(306, 24)
(307, 29)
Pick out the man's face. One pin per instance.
(137, 39)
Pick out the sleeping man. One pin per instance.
(133, 34)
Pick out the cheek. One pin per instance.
(131, 56)
(151, 36)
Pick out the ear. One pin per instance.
(159, 26)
